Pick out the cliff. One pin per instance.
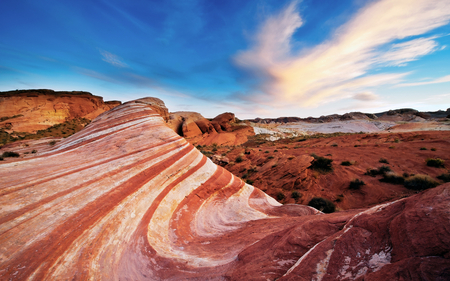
(32, 110)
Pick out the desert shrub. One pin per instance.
(276, 150)
(321, 164)
(266, 151)
(1, 158)
(346, 163)
(433, 149)
(356, 184)
(334, 144)
(206, 153)
(249, 181)
(239, 159)
(391, 147)
(383, 160)
(270, 157)
(322, 204)
(296, 194)
(291, 157)
(393, 178)
(380, 171)
(10, 154)
(34, 151)
(280, 196)
(435, 162)
(423, 148)
(444, 177)
(420, 182)
(52, 143)
(214, 149)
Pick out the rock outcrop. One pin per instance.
(128, 199)
(32, 110)
(198, 130)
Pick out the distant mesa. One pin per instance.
(33, 110)
(404, 114)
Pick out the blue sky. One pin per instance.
(258, 58)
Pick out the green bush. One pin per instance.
(356, 184)
(322, 204)
(296, 194)
(383, 160)
(280, 196)
(34, 151)
(52, 143)
(420, 182)
(392, 178)
(10, 154)
(435, 162)
(321, 164)
(239, 159)
(346, 163)
(444, 177)
(423, 148)
(380, 171)
(249, 181)
(433, 149)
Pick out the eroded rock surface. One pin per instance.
(198, 130)
(128, 199)
(39, 109)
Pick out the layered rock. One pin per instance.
(128, 199)
(222, 130)
(32, 110)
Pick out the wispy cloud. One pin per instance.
(435, 81)
(339, 68)
(112, 59)
(400, 54)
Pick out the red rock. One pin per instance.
(40, 109)
(128, 199)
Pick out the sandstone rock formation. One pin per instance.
(222, 130)
(39, 109)
(128, 199)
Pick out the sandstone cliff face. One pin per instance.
(128, 199)
(40, 109)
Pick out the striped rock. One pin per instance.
(128, 199)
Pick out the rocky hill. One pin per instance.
(404, 114)
(126, 198)
(32, 110)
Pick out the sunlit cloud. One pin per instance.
(112, 59)
(340, 67)
(444, 79)
(399, 54)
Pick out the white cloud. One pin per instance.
(435, 81)
(112, 59)
(338, 67)
(399, 54)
